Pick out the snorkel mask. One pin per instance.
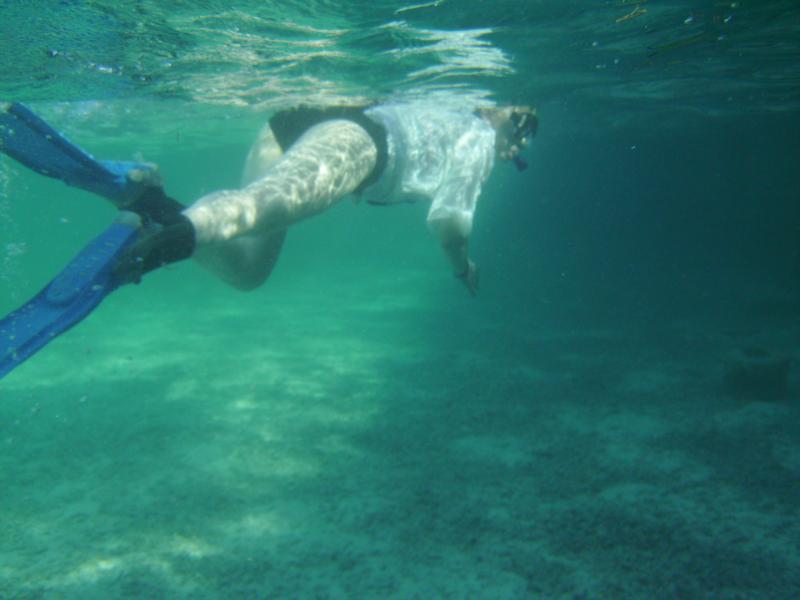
(525, 125)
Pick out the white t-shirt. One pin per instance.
(435, 153)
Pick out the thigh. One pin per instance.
(264, 153)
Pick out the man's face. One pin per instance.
(515, 132)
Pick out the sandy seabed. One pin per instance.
(332, 451)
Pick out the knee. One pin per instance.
(244, 283)
(233, 268)
(238, 280)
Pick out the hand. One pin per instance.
(470, 277)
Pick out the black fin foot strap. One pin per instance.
(167, 236)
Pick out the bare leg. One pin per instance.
(239, 232)
(247, 261)
(244, 262)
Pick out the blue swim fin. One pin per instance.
(29, 140)
(66, 300)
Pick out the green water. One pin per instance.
(359, 427)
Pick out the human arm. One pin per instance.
(455, 244)
(453, 206)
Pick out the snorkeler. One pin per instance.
(303, 161)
